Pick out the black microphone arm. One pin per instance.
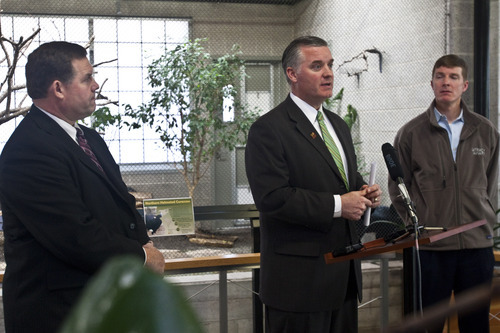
(396, 173)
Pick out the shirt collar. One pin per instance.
(442, 117)
(310, 112)
(68, 128)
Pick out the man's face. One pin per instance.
(79, 94)
(312, 81)
(448, 85)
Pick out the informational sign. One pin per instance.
(169, 216)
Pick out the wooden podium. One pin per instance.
(426, 237)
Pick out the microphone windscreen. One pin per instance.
(392, 161)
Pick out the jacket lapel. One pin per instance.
(62, 138)
(305, 127)
(112, 176)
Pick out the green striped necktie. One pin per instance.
(332, 147)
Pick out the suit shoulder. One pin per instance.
(277, 115)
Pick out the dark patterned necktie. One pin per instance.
(86, 148)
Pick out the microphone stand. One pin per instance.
(416, 229)
(410, 208)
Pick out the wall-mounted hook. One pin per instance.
(376, 51)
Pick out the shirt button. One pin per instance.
(132, 226)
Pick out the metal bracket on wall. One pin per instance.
(359, 63)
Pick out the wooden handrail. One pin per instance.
(213, 261)
(216, 262)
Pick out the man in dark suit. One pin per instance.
(307, 202)
(65, 213)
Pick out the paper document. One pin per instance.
(373, 171)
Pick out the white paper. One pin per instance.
(373, 171)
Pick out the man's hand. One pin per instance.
(155, 260)
(354, 204)
(373, 194)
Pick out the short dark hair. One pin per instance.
(450, 61)
(292, 54)
(49, 62)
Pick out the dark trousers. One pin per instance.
(457, 271)
(343, 320)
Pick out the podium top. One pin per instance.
(425, 238)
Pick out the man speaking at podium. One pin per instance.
(449, 159)
(302, 171)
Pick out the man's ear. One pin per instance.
(292, 74)
(57, 89)
(466, 86)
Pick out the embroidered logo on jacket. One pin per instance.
(478, 151)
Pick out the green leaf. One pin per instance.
(102, 118)
(125, 297)
(351, 116)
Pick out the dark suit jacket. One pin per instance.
(293, 178)
(62, 220)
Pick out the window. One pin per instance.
(122, 50)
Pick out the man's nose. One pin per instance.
(96, 86)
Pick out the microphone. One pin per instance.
(396, 173)
(392, 161)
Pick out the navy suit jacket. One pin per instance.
(63, 219)
(293, 178)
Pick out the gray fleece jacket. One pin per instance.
(445, 192)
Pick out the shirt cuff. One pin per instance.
(337, 212)
(145, 256)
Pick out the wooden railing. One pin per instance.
(230, 261)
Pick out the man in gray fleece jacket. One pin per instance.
(449, 156)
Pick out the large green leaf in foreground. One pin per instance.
(125, 297)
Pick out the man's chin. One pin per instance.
(327, 95)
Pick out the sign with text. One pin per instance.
(169, 216)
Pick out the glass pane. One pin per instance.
(129, 30)
(77, 30)
(52, 28)
(131, 151)
(108, 74)
(153, 31)
(130, 54)
(131, 79)
(104, 52)
(177, 31)
(154, 151)
(24, 27)
(105, 30)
